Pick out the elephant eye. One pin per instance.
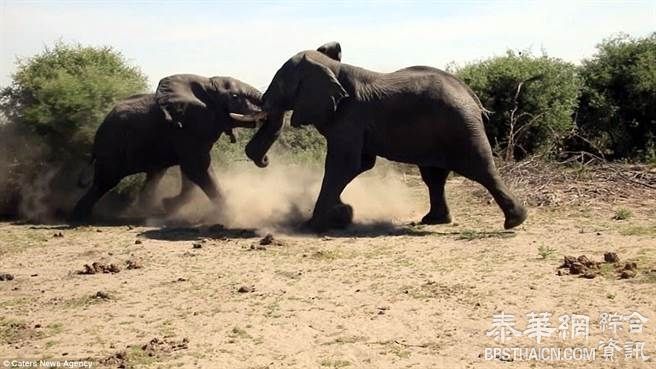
(234, 96)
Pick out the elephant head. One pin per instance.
(242, 102)
(306, 84)
(231, 102)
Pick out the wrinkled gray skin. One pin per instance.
(139, 135)
(417, 115)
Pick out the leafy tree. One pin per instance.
(617, 109)
(62, 94)
(531, 98)
(50, 113)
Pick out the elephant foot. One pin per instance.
(515, 217)
(436, 219)
(172, 204)
(149, 206)
(79, 216)
(76, 220)
(313, 226)
(338, 217)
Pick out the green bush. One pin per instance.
(226, 153)
(617, 109)
(302, 145)
(539, 113)
(51, 111)
(62, 94)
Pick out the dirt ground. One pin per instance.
(382, 294)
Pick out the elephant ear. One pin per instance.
(318, 95)
(180, 91)
(332, 50)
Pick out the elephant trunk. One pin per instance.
(259, 145)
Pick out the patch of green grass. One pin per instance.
(19, 239)
(546, 252)
(335, 363)
(622, 214)
(432, 289)
(470, 235)
(586, 212)
(81, 302)
(608, 271)
(288, 274)
(342, 340)
(12, 331)
(55, 328)
(649, 230)
(166, 328)
(403, 261)
(16, 303)
(401, 353)
(646, 261)
(650, 277)
(135, 356)
(327, 255)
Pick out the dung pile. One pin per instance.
(582, 266)
(587, 268)
(157, 348)
(97, 268)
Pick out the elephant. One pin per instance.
(418, 115)
(139, 135)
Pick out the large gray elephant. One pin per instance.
(418, 115)
(175, 126)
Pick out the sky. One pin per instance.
(250, 40)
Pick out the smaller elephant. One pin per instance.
(138, 136)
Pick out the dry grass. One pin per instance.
(542, 183)
(396, 295)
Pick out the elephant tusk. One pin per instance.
(248, 118)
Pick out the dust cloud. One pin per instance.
(280, 197)
(277, 198)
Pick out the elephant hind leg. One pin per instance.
(435, 179)
(84, 206)
(104, 180)
(484, 172)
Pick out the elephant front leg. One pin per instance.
(147, 196)
(200, 172)
(340, 169)
(174, 203)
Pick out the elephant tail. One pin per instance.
(484, 112)
(87, 173)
